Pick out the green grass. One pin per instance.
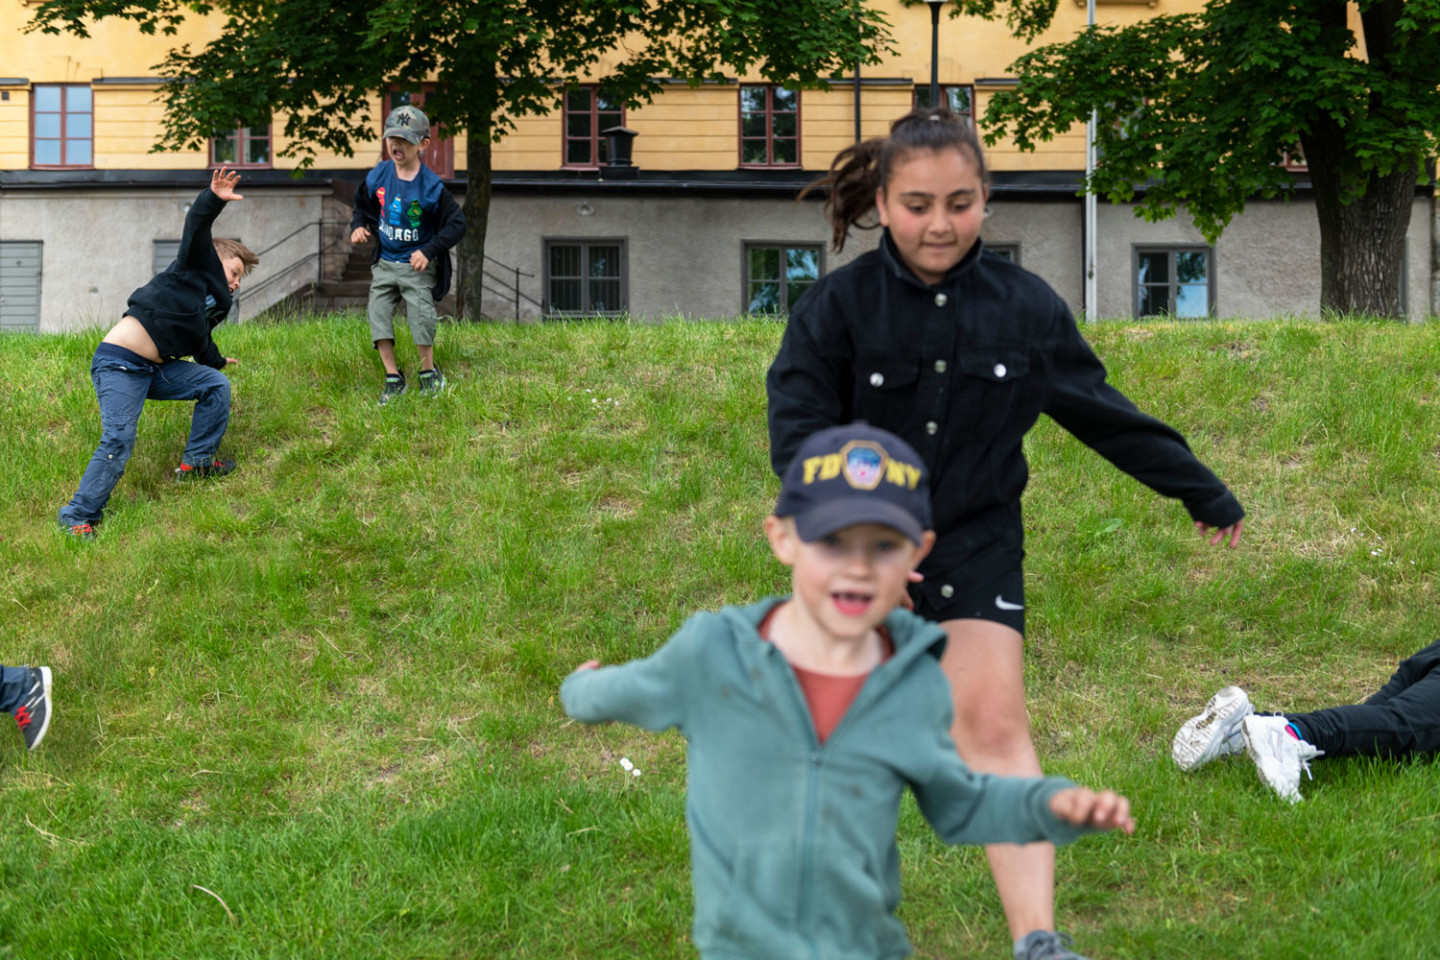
(324, 689)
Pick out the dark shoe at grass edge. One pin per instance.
(394, 387)
(432, 381)
(205, 471)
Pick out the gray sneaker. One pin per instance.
(394, 387)
(1045, 945)
(33, 713)
(1213, 732)
(432, 381)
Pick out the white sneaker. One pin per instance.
(1278, 756)
(1214, 732)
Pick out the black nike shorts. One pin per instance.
(997, 597)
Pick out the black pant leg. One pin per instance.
(1402, 717)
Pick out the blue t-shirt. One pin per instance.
(407, 209)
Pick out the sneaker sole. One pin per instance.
(388, 398)
(49, 707)
(1202, 738)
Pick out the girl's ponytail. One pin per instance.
(850, 188)
(859, 170)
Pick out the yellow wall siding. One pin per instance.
(683, 129)
(15, 129)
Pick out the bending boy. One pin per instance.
(808, 715)
(170, 317)
(1399, 719)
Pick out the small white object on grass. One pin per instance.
(633, 770)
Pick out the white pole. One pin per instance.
(1091, 301)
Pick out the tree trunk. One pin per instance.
(1362, 243)
(470, 289)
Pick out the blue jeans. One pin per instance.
(123, 382)
(13, 681)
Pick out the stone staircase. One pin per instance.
(351, 290)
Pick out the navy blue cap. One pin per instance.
(845, 476)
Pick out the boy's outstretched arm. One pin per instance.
(197, 240)
(649, 693)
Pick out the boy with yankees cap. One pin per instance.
(808, 715)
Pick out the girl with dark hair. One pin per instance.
(958, 352)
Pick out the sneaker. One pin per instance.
(432, 381)
(203, 471)
(1214, 732)
(1278, 756)
(33, 714)
(1045, 945)
(80, 531)
(394, 387)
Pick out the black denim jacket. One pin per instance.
(961, 370)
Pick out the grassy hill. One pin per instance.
(311, 711)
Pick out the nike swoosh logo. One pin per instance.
(1003, 604)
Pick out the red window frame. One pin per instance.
(64, 140)
(596, 141)
(244, 137)
(770, 114)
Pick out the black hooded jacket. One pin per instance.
(962, 370)
(181, 306)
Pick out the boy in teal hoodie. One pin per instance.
(807, 716)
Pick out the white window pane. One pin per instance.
(78, 125)
(77, 100)
(48, 99)
(1192, 300)
(77, 152)
(47, 152)
(47, 125)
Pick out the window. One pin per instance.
(62, 126)
(588, 111)
(242, 147)
(585, 278)
(959, 98)
(776, 274)
(769, 127)
(1174, 282)
(1007, 251)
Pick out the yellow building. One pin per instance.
(700, 225)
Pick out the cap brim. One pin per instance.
(827, 518)
(405, 133)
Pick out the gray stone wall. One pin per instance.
(99, 244)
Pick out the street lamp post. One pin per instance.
(935, 6)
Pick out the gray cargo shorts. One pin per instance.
(392, 282)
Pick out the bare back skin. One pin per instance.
(128, 333)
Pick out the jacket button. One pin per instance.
(1000, 370)
(877, 379)
(941, 299)
(939, 366)
(931, 427)
(947, 591)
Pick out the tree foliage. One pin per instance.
(1199, 109)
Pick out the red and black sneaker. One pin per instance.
(81, 531)
(204, 471)
(33, 714)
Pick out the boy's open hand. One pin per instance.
(360, 235)
(222, 184)
(1106, 810)
(587, 665)
(418, 261)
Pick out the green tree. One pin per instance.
(321, 61)
(1196, 111)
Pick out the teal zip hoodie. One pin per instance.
(792, 844)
